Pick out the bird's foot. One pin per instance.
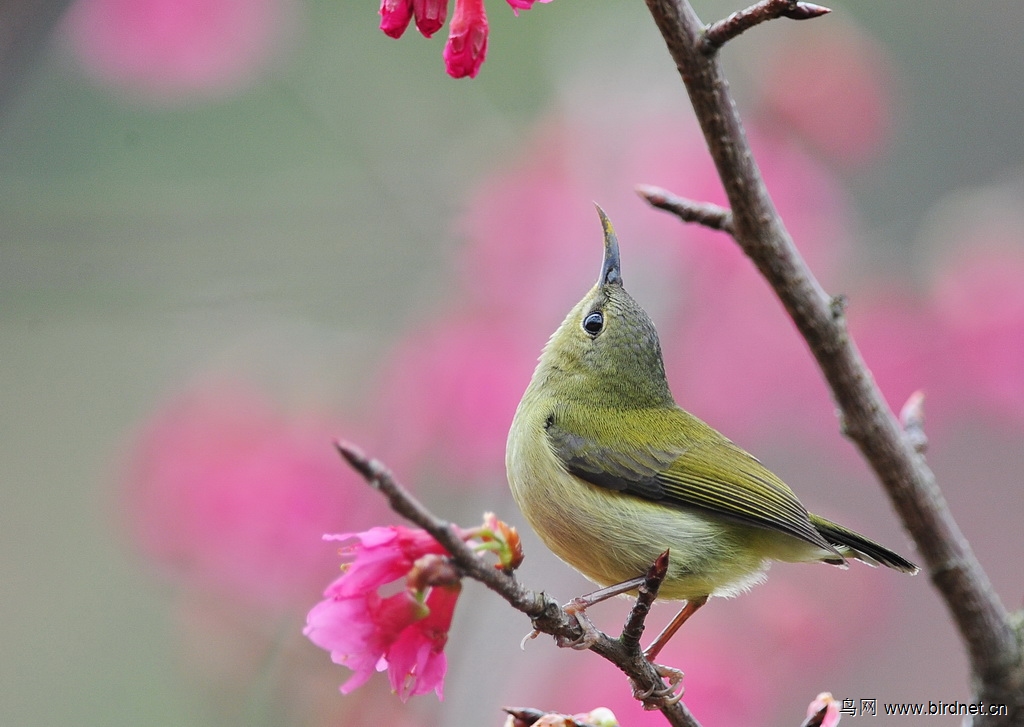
(657, 697)
(578, 607)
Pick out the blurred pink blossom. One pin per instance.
(737, 361)
(447, 396)
(227, 493)
(724, 684)
(526, 258)
(404, 633)
(979, 295)
(832, 88)
(807, 614)
(167, 51)
(813, 204)
(907, 349)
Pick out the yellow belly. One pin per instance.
(611, 537)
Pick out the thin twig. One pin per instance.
(546, 615)
(646, 595)
(996, 657)
(703, 213)
(718, 34)
(912, 419)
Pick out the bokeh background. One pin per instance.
(232, 230)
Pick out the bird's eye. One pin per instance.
(594, 323)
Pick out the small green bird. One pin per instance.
(611, 472)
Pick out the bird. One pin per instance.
(611, 472)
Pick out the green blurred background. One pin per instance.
(293, 229)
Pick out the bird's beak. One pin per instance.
(610, 272)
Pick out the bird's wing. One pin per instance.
(690, 465)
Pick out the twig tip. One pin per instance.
(356, 458)
(912, 420)
(650, 194)
(807, 11)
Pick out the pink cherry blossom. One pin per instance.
(395, 16)
(168, 51)
(359, 630)
(230, 495)
(404, 633)
(466, 48)
(382, 555)
(430, 15)
(416, 659)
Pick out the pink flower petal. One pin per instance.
(416, 660)
(395, 16)
(430, 15)
(466, 48)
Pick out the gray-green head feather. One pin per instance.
(607, 350)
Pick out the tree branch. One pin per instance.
(546, 615)
(991, 640)
(718, 34)
(703, 213)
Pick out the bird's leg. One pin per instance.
(578, 607)
(684, 614)
(655, 698)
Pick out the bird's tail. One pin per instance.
(854, 545)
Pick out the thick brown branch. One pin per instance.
(546, 615)
(720, 33)
(985, 628)
(703, 213)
